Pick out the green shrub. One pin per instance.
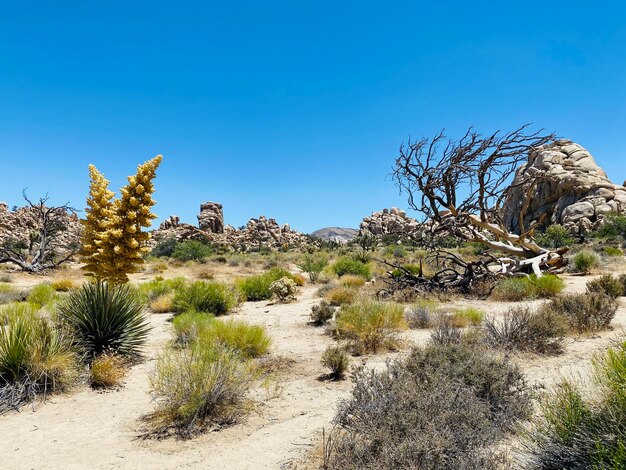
(467, 316)
(255, 288)
(555, 236)
(200, 386)
(152, 290)
(413, 269)
(313, 265)
(285, 289)
(614, 226)
(34, 356)
(211, 297)
(607, 284)
(613, 251)
(421, 314)
(322, 313)
(249, 341)
(105, 318)
(442, 407)
(592, 311)
(164, 248)
(371, 325)
(348, 265)
(523, 329)
(192, 250)
(336, 360)
(584, 261)
(42, 294)
(577, 432)
(515, 289)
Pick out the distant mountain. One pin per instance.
(336, 234)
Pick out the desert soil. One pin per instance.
(93, 429)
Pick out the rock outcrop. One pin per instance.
(257, 233)
(211, 217)
(570, 189)
(20, 224)
(389, 222)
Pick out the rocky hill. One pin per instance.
(335, 234)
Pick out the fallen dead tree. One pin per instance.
(459, 187)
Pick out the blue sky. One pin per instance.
(291, 109)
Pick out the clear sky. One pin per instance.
(292, 109)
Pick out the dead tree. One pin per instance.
(41, 251)
(459, 187)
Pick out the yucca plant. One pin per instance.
(105, 317)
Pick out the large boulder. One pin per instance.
(389, 222)
(569, 189)
(211, 217)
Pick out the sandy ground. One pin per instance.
(91, 429)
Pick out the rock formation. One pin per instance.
(21, 223)
(257, 233)
(569, 189)
(211, 217)
(389, 222)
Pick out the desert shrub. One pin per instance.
(255, 288)
(63, 285)
(34, 356)
(613, 251)
(9, 294)
(607, 284)
(200, 386)
(285, 289)
(421, 314)
(413, 269)
(6, 277)
(313, 265)
(205, 275)
(592, 311)
(42, 294)
(614, 226)
(584, 261)
(546, 286)
(191, 250)
(107, 370)
(322, 313)
(555, 236)
(467, 316)
(445, 406)
(371, 325)
(105, 318)
(164, 248)
(445, 333)
(222, 260)
(523, 329)
(337, 360)
(339, 296)
(188, 326)
(163, 304)
(513, 289)
(211, 297)
(347, 265)
(577, 432)
(249, 341)
(159, 267)
(350, 280)
(298, 279)
(159, 287)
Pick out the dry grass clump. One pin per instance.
(107, 370)
(337, 360)
(63, 285)
(589, 312)
(322, 313)
(35, 357)
(205, 274)
(199, 387)
(6, 277)
(339, 296)
(370, 325)
(580, 431)
(523, 329)
(468, 316)
(585, 261)
(163, 304)
(9, 294)
(350, 280)
(609, 285)
(445, 406)
(298, 279)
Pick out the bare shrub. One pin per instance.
(592, 311)
(107, 370)
(607, 284)
(337, 360)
